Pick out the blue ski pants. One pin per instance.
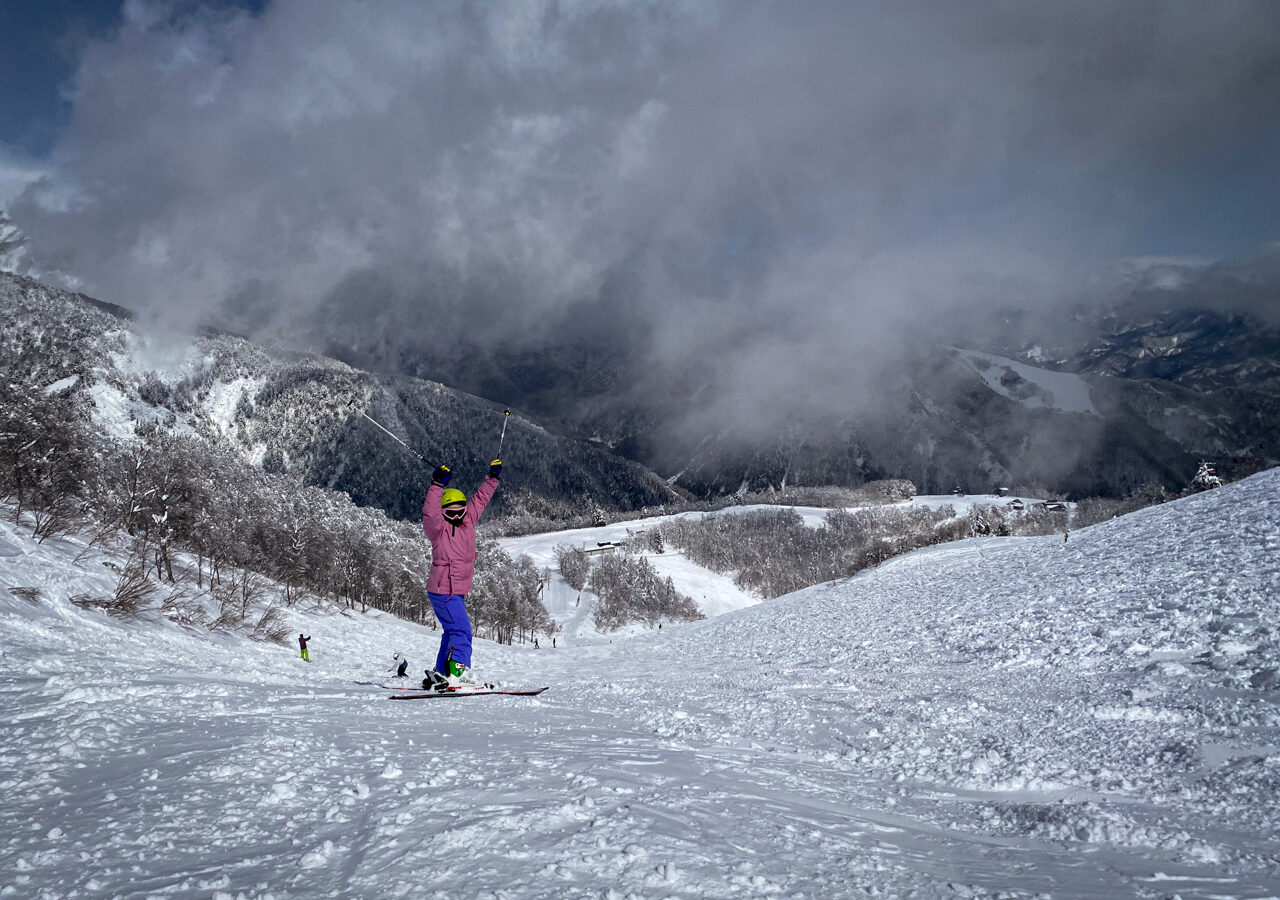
(451, 613)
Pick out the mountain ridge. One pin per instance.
(1163, 389)
(1151, 394)
(292, 412)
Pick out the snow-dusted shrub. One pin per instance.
(1206, 478)
(133, 591)
(271, 626)
(234, 596)
(57, 516)
(184, 609)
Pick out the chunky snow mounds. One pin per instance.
(1095, 717)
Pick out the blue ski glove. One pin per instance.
(441, 475)
(495, 469)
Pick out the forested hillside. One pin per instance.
(214, 464)
(296, 414)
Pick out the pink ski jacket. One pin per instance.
(453, 547)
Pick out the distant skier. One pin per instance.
(302, 645)
(400, 666)
(449, 522)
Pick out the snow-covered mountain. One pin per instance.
(1093, 402)
(1114, 403)
(1026, 717)
(981, 420)
(296, 413)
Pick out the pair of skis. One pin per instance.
(408, 693)
(470, 692)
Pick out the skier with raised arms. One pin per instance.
(449, 521)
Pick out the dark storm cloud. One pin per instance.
(780, 193)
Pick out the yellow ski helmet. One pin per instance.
(451, 496)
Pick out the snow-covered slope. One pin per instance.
(1031, 386)
(999, 718)
(713, 593)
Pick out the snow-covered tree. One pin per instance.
(506, 601)
(630, 589)
(575, 565)
(1206, 478)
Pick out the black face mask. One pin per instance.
(455, 514)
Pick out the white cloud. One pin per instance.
(16, 173)
(696, 170)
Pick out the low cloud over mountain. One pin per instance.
(768, 204)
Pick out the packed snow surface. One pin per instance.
(1008, 717)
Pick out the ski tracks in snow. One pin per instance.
(139, 788)
(1005, 719)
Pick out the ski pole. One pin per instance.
(506, 414)
(352, 404)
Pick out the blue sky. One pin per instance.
(39, 48)
(37, 53)
(1205, 200)
(40, 45)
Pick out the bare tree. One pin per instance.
(133, 590)
(271, 626)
